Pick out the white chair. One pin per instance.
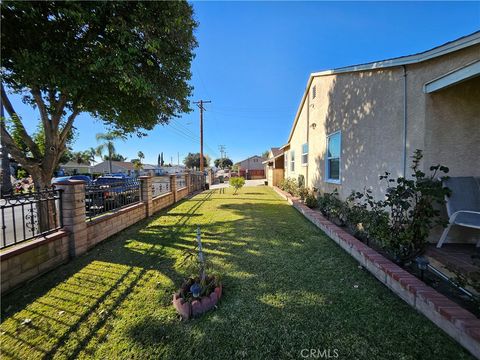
(463, 204)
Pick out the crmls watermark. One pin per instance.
(319, 353)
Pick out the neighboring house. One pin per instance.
(252, 168)
(148, 169)
(73, 168)
(357, 122)
(274, 167)
(123, 167)
(175, 169)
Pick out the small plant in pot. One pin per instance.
(201, 292)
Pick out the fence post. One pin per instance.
(173, 187)
(146, 193)
(73, 215)
(186, 182)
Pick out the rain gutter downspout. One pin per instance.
(404, 120)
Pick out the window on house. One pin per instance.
(292, 160)
(333, 157)
(314, 92)
(305, 154)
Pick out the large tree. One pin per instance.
(127, 63)
(193, 160)
(223, 163)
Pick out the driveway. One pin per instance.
(260, 182)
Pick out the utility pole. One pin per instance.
(178, 158)
(223, 153)
(202, 109)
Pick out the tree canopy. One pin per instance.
(223, 163)
(193, 160)
(127, 63)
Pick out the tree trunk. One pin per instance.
(46, 210)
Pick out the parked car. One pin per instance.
(117, 190)
(87, 179)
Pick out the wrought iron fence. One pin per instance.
(105, 198)
(160, 185)
(27, 216)
(181, 183)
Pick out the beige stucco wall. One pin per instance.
(367, 107)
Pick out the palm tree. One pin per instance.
(108, 139)
(141, 156)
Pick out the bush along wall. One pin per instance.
(400, 223)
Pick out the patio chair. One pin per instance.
(463, 205)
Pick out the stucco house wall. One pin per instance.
(367, 107)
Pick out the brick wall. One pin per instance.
(162, 201)
(181, 193)
(108, 225)
(28, 260)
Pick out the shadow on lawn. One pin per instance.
(284, 288)
(70, 297)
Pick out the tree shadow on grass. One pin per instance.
(68, 298)
(286, 287)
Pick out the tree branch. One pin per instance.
(68, 126)
(37, 95)
(17, 153)
(58, 112)
(22, 132)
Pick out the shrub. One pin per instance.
(413, 206)
(237, 183)
(302, 192)
(311, 200)
(332, 207)
(289, 185)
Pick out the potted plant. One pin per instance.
(201, 292)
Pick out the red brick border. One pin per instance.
(457, 322)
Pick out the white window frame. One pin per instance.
(304, 154)
(292, 161)
(327, 170)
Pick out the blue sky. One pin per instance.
(254, 59)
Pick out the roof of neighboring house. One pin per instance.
(276, 152)
(449, 47)
(74, 164)
(149, 167)
(123, 164)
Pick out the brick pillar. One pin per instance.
(173, 187)
(146, 193)
(73, 215)
(187, 182)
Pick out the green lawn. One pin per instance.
(287, 287)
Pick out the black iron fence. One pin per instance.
(27, 216)
(105, 198)
(181, 183)
(160, 185)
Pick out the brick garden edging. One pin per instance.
(457, 322)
